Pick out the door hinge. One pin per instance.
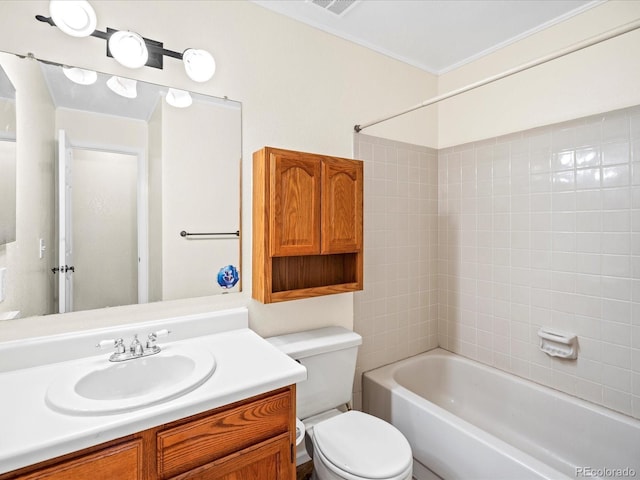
(293, 453)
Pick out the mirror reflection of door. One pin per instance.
(105, 229)
(64, 222)
(101, 225)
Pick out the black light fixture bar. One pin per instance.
(156, 49)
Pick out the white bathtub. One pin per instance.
(465, 420)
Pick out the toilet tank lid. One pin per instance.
(314, 342)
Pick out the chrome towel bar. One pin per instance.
(185, 234)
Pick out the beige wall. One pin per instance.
(199, 194)
(598, 79)
(155, 204)
(300, 88)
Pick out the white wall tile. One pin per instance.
(615, 153)
(393, 312)
(558, 242)
(588, 178)
(587, 157)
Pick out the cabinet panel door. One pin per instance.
(270, 460)
(186, 446)
(295, 189)
(342, 185)
(121, 462)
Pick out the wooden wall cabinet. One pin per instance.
(307, 225)
(247, 440)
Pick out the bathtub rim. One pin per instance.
(390, 369)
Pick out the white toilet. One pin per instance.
(347, 445)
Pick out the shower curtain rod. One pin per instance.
(616, 32)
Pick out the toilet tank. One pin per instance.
(329, 355)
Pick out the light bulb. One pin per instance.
(129, 49)
(74, 17)
(178, 98)
(80, 75)
(199, 64)
(125, 87)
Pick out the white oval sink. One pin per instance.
(100, 387)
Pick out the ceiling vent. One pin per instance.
(337, 7)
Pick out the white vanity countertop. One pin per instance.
(31, 432)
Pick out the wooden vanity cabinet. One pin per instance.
(121, 461)
(248, 440)
(307, 225)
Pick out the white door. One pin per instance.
(105, 233)
(65, 266)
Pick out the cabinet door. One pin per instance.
(121, 462)
(270, 460)
(342, 185)
(295, 189)
(186, 446)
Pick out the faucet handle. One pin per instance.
(117, 343)
(153, 336)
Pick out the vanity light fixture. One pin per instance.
(80, 75)
(178, 98)
(77, 18)
(125, 87)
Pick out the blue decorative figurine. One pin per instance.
(228, 276)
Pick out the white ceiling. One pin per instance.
(434, 35)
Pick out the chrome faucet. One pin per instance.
(136, 349)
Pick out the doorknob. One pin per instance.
(64, 269)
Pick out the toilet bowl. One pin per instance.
(344, 445)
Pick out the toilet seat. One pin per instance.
(355, 445)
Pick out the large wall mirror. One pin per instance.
(127, 192)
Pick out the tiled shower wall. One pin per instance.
(396, 313)
(542, 228)
(538, 228)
